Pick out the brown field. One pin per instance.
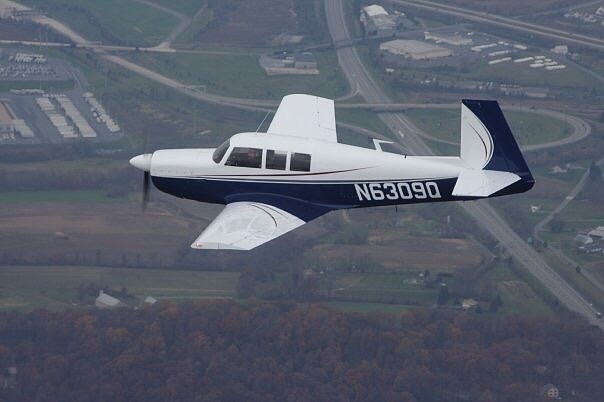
(550, 188)
(244, 22)
(405, 254)
(93, 233)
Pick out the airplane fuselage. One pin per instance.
(340, 176)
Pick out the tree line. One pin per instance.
(223, 350)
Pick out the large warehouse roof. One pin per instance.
(415, 49)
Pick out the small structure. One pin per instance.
(583, 239)
(535, 208)
(107, 301)
(414, 49)
(149, 300)
(377, 22)
(558, 170)
(560, 49)
(597, 233)
(467, 304)
(550, 391)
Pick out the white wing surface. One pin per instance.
(245, 225)
(305, 116)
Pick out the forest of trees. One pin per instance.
(226, 351)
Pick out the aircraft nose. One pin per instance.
(142, 162)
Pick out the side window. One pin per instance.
(300, 162)
(220, 151)
(275, 159)
(245, 157)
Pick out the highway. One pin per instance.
(514, 24)
(481, 211)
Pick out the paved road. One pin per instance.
(484, 214)
(514, 24)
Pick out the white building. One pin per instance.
(597, 233)
(560, 49)
(377, 22)
(415, 49)
(106, 301)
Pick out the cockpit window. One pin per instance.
(220, 151)
(245, 157)
(300, 162)
(276, 159)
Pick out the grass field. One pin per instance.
(188, 39)
(187, 7)
(363, 118)
(76, 196)
(528, 128)
(29, 287)
(113, 21)
(241, 75)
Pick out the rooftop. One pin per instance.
(374, 10)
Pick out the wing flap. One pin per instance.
(305, 116)
(245, 225)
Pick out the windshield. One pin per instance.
(220, 151)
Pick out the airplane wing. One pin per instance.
(305, 116)
(245, 225)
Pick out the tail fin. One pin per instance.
(488, 148)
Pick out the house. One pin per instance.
(550, 391)
(535, 208)
(106, 301)
(150, 300)
(557, 170)
(467, 304)
(583, 239)
(597, 233)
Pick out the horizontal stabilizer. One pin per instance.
(482, 183)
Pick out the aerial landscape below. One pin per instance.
(305, 200)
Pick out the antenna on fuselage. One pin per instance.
(263, 120)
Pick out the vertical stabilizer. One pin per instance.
(495, 165)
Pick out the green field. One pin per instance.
(77, 196)
(528, 128)
(518, 297)
(188, 37)
(113, 21)
(28, 287)
(363, 118)
(242, 76)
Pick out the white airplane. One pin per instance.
(276, 181)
